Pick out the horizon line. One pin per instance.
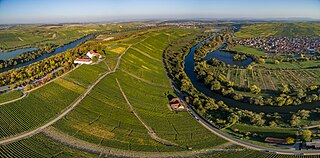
(289, 19)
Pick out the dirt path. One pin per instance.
(104, 151)
(143, 80)
(25, 93)
(20, 39)
(147, 55)
(152, 134)
(28, 134)
(14, 100)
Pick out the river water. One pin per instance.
(44, 56)
(227, 57)
(14, 53)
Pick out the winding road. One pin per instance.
(234, 140)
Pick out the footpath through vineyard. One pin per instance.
(28, 134)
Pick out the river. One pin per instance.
(44, 56)
(14, 53)
(189, 69)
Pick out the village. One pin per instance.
(283, 44)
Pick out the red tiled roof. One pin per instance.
(94, 53)
(275, 140)
(83, 59)
(174, 100)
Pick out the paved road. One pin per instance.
(230, 138)
(67, 110)
(14, 100)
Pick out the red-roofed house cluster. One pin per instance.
(87, 59)
(176, 104)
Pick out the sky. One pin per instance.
(58, 11)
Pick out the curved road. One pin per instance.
(14, 100)
(230, 138)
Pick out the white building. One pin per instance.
(82, 61)
(92, 53)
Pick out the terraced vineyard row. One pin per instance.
(39, 146)
(35, 109)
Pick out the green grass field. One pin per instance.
(279, 29)
(248, 50)
(10, 96)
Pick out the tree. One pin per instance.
(233, 118)
(257, 119)
(289, 140)
(273, 124)
(208, 79)
(216, 85)
(255, 89)
(295, 120)
(285, 89)
(306, 135)
(300, 93)
(261, 61)
(211, 105)
(312, 88)
(280, 100)
(304, 114)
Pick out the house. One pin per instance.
(275, 140)
(82, 61)
(92, 54)
(176, 104)
(314, 144)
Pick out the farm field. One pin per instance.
(313, 64)
(28, 35)
(40, 146)
(108, 120)
(269, 79)
(38, 107)
(248, 50)
(279, 29)
(91, 72)
(10, 96)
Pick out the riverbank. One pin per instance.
(189, 70)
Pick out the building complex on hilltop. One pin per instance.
(88, 59)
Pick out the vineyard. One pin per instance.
(39, 146)
(36, 108)
(270, 80)
(104, 118)
(10, 96)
